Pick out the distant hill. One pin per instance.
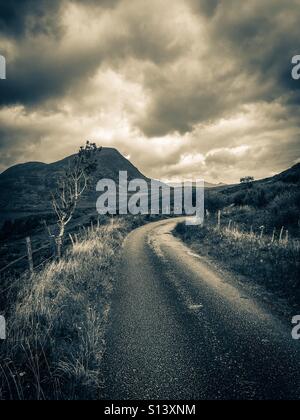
(272, 202)
(206, 185)
(290, 176)
(25, 190)
(27, 187)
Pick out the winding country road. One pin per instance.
(181, 330)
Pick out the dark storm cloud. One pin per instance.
(17, 17)
(38, 69)
(17, 141)
(173, 109)
(263, 38)
(207, 7)
(20, 17)
(44, 67)
(105, 4)
(255, 40)
(208, 76)
(36, 76)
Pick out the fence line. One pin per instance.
(29, 255)
(283, 234)
(44, 262)
(12, 263)
(31, 252)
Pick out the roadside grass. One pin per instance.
(56, 326)
(273, 264)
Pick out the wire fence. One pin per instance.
(277, 236)
(29, 256)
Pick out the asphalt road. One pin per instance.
(181, 330)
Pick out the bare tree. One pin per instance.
(70, 187)
(247, 180)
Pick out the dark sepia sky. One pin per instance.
(184, 88)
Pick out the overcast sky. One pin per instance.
(184, 88)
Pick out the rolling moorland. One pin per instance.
(272, 203)
(268, 205)
(26, 188)
(25, 201)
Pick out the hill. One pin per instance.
(206, 185)
(26, 187)
(291, 176)
(273, 202)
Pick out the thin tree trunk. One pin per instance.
(59, 241)
(58, 247)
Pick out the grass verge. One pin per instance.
(275, 265)
(57, 323)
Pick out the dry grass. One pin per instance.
(56, 329)
(272, 263)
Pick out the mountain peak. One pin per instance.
(27, 186)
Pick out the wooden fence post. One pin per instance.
(29, 253)
(281, 234)
(59, 244)
(273, 236)
(262, 231)
(219, 219)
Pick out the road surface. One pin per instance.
(181, 330)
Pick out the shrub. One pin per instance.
(215, 201)
(285, 209)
